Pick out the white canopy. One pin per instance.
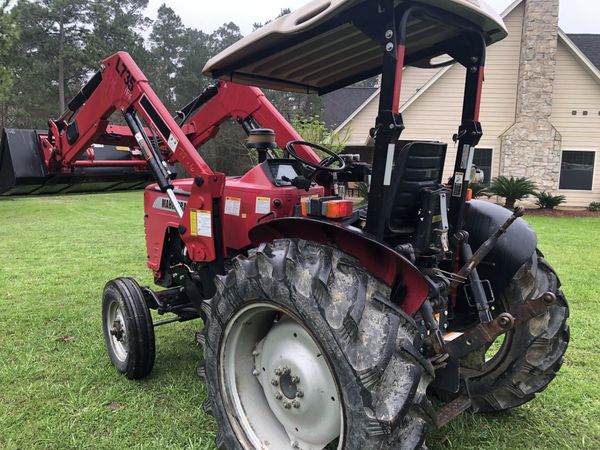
(319, 47)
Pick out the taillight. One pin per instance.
(327, 207)
(337, 209)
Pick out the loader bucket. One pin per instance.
(23, 171)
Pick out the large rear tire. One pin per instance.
(297, 330)
(530, 356)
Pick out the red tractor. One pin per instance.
(325, 325)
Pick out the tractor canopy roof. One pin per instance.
(329, 44)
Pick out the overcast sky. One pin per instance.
(576, 16)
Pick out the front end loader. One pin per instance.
(325, 325)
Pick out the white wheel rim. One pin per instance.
(117, 330)
(279, 387)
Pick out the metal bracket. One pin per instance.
(460, 345)
(452, 410)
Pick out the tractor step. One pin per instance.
(452, 410)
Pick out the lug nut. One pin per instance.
(296, 404)
(299, 394)
(278, 371)
(286, 370)
(278, 396)
(295, 379)
(287, 405)
(274, 382)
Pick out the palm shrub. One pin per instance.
(512, 189)
(546, 200)
(479, 190)
(594, 207)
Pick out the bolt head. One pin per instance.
(389, 47)
(549, 298)
(389, 34)
(255, 372)
(255, 353)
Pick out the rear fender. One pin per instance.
(379, 259)
(511, 252)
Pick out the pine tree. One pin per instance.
(189, 81)
(166, 41)
(48, 59)
(117, 25)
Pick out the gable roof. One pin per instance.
(589, 44)
(589, 56)
(339, 105)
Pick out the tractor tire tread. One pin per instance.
(537, 348)
(372, 343)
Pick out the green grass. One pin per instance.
(58, 389)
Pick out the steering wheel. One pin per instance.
(325, 164)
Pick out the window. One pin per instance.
(577, 170)
(483, 160)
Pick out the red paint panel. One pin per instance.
(398, 83)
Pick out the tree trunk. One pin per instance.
(61, 65)
(510, 203)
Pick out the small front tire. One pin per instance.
(128, 329)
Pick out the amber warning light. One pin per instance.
(328, 207)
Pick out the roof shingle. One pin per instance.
(589, 44)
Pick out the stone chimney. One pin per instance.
(531, 147)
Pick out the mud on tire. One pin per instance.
(532, 354)
(367, 342)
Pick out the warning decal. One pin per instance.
(263, 205)
(233, 206)
(457, 189)
(201, 223)
(172, 142)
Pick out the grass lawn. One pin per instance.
(58, 389)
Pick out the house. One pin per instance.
(540, 110)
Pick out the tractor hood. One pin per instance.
(323, 46)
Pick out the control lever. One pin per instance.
(299, 182)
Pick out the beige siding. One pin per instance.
(437, 114)
(358, 128)
(576, 89)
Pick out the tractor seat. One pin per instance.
(417, 165)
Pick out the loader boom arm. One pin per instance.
(155, 139)
(121, 86)
(247, 105)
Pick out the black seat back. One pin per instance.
(418, 165)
